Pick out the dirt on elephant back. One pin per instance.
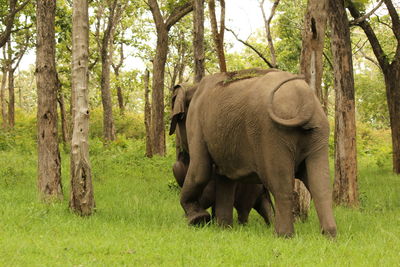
(245, 74)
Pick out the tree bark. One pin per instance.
(63, 114)
(147, 113)
(345, 185)
(311, 66)
(218, 36)
(49, 162)
(311, 61)
(391, 73)
(3, 93)
(157, 106)
(108, 119)
(198, 40)
(82, 198)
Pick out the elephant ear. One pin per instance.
(178, 107)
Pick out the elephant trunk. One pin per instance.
(304, 97)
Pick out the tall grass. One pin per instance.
(139, 222)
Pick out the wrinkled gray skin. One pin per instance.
(217, 193)
(267, 129)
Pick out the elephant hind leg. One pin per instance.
(280, 174)
(196, 179)
(318, 183)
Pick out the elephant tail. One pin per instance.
(299, 99)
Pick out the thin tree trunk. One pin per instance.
(117, 67)
(345, 185)
(392, 82)
(11, 99)
(119, 92)
(267, 24)
(157, 106)
(108, 119)
(3, 97)
(198, 40)
(147, 113)
(82, 198)
(218, 36)
(63, 113)
(49, 162)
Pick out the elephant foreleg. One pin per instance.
(197, 177)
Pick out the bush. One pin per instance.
(129, 125)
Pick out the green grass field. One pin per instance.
(139, 222)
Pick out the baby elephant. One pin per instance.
(246, 196)
(219, 191)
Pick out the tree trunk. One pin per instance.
(116, 68)
(301, 200)
(392, 82)
(3, 97)
(147, 113)
(311, 62)
(11, 99)
(311, 66)
(198, 40)
(119, 93)
(157, 106)
(108, 119)
(63, 113)
(345, 185)
(218, 36)
(49, 162)
(82, 199)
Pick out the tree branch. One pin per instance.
(328, 60)
(267, 23)
(10, 20)
(177, 14)
(252, 48)
(361, 51)
(376, 46)
(395, 19)
(366, 16)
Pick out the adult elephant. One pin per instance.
(258, 126)
(218, 192)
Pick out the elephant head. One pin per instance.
(181, 97)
